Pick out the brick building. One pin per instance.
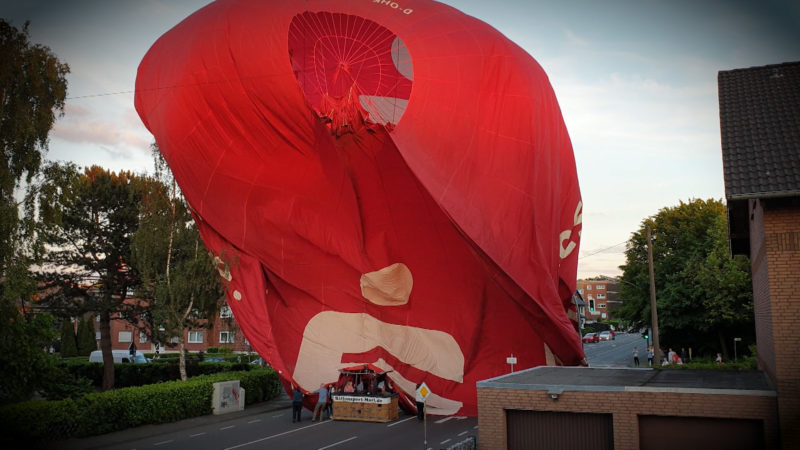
(224, 333)
(601, 298)
(760, 127)
(626, 409)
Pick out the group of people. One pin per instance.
(671, 358)
(323, 403)
(376, 386)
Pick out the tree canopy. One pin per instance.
(86, 221)
(704, 296)
(180, 282)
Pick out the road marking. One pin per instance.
(254, 421)
(277, 435)
(278, 415)
(225, 428)
(475, 427)
(337, 443)
(444, 420)
(400, 421)
(445, 441)
(460, 417)
(463, 433)
(197, 434)
(164, 442)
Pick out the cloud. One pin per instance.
(574, 39)
(82, 126)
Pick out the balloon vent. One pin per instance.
(354, 72)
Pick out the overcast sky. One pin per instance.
(636, 81)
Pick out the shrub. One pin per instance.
(34, 422)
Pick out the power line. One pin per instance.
(602, 250)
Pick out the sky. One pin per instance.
(636, 81)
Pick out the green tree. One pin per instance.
(87, 343)
(703, 295)
(88, 219)
(180, 281)
(33, 87)
(69, 346)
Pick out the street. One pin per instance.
(274, 429)
(617, 353)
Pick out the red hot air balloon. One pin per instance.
(382, 184)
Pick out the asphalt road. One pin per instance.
(271, 427)
(617, 353)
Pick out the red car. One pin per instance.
(591, 337)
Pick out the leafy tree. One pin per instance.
(69, 346)
(33, 87)
(87, 220)
(87, 343)
(180, 281)
(703, 295)
(23, 359)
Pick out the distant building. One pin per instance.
(760, 127)
(601, 297)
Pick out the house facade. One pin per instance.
(760, 129)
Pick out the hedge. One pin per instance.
(127, 374)
(35, 422)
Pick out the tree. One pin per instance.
(87, 343)
(702, 293)
(69, 346)
(87, 220)
(33, 87)
(180, 282)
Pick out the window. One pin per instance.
(225, 312)
(97, 318)
(175, 339)
(97, 335)
(601, 286)
(580, 291)
(226, 337)
(602, 305)
(125, 336)
(142, 337)
(195, 337)
(588, 287)
(601, 295)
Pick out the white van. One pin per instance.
(120, 356)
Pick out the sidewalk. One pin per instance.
(118, 437)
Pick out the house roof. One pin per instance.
(759, 110)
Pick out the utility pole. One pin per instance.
(653, 310)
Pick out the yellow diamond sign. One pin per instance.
(423, 391)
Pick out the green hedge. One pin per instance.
(127, 374)
(98, 413)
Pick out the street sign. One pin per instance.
(423, 391)
(511, 360)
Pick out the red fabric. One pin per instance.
(317, 141)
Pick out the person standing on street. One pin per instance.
(650, 355)
(297, 403)
(635, 357)
(322, 403)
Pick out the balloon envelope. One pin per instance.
(380, 184)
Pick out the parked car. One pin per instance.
(606, 336)
(120, 356)
(591, 337)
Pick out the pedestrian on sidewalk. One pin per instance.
(297, 403)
